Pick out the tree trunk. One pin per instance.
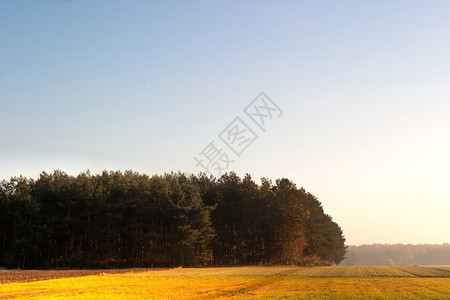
(182, 255)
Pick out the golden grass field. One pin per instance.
(370, 282)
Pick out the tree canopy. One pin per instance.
(127, 219)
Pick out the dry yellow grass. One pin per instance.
(237, 283)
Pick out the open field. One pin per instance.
(374, 282)
(374, 271)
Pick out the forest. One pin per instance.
(398, 254)
(127, 219)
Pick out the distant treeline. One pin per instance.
(398, 254)
(132, 220)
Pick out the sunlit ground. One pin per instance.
(246, 283)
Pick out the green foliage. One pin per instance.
(128, 219)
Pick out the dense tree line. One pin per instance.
(398, 254)
(128, 219)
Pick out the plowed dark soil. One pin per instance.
(12, 276)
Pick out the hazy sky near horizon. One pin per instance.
(145, 85)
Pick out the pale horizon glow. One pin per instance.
(364, 87)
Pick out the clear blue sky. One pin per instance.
(146, 85)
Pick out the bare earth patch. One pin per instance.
(15, 276)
